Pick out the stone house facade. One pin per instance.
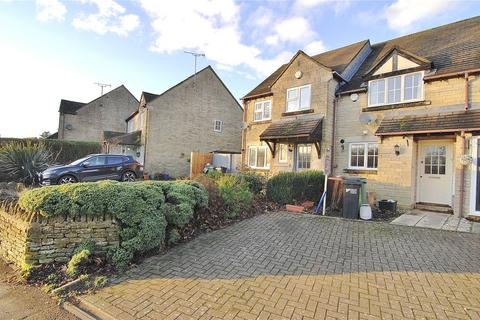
(87, 121)
(198, 114)
(404, 114)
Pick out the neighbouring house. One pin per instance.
(198, 114)
(87, 121)
(404, 114)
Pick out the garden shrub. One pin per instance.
(23, 162)
(63, 151)
(295, 187)
(235, 193)
(254, 181)
(77, 262)
(141, 209)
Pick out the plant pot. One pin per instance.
(145, 177)
(294, 208)
(308, 204)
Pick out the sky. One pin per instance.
(53, 49)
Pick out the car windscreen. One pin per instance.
(77, 162)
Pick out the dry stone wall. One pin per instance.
(43, 240)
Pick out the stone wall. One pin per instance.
(43, 240)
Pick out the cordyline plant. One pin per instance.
(23, 162)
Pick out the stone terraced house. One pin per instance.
(80, 121)
(198, 114)
(404, 114)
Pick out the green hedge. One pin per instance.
(293, 187)
(63, 151)
(142, 209)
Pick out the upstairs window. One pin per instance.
(298, 98)
(397, 89)
(217, 126)
(262, 111)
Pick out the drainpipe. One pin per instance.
(244, 134)
(332, 145)
(462, 176)
(467, 104)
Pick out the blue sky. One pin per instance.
(53, 49)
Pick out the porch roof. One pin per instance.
(446, 122)
(132, 138)
(299, 129)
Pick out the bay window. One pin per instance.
(363, 155)
(397, 89)
(258, 157)
(298, 98)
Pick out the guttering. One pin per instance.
(401, 133)
(259, 95)
(352, 91)
(451, 74)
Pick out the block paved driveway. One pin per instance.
(286, 266)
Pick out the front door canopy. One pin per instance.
(439, 123)
(299, 130)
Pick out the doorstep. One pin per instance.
(435, 220)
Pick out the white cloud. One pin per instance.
(315, 47)
(338, 5)
(110, 18)
(295, 29)
(272, 39)
(402, 14)
(50, 10)
(211, 27)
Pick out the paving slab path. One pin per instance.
(435, 220)
(291, 266)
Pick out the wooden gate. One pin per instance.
(198, 160)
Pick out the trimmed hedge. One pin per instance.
(142, 209)
(63, 151)
(295, 187)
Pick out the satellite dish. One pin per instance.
(366, 118)
(354, 97)
(68, 126)
(298, 74)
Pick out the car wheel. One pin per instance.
(129, 176)
(67, 179)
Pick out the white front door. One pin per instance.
(435, 172)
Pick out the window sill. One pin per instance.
(259, 169)
(294, 113)
(398, 105)
(261, 121)
(361, 171)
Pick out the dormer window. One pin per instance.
(397, 89)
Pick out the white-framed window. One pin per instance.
(258, 157)
(363, 155)
(397, 89)
(218, 125)
(262, 111)
(298, 98)
(282, 153)
(304, 156)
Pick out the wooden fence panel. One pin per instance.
(198, 160)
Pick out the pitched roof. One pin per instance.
(70, 107)
(451, 48)
(131, 138)
(445, 122)
(152, 96)
(337, 60)
(307, 128)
